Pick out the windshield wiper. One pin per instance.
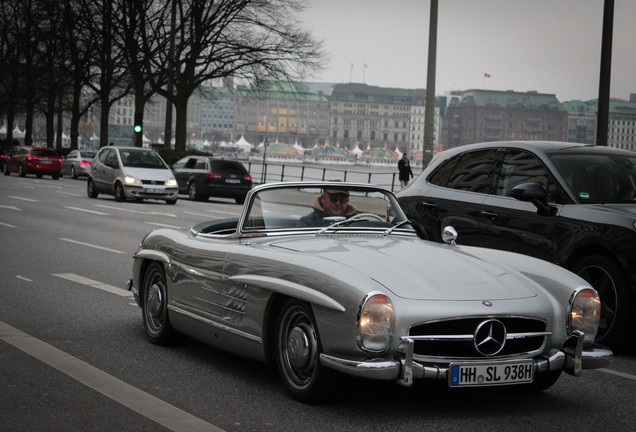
(399, 224)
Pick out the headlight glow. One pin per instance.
(171, 182)
(375, 323)
(131, 180)
(585, 312)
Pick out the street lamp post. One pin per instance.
(264, 170)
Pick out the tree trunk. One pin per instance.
(181, 131)
(103, 122)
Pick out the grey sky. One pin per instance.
(552, 46)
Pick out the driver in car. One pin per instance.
(332, 202)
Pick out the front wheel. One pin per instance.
(120, 196)
(155, 307)
(607, 278)
(21, 171)
(298, 353)
(90, 189)
(5, 170)
(73, 175)
(171, 202)
(193, 193)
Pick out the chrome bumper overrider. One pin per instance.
(572, 357)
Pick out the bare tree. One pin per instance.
(255, 40)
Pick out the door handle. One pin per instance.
(490, 215)
(429, 204)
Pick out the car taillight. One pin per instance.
(29, 158)
(212, 176)
(59, 160)
(85, 163)
(248, 177)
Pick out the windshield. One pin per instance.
(88, 154)
(598, 178)
(312, 208)
(141, 159)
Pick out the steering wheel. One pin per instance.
(362, 216)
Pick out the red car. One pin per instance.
(33, 160)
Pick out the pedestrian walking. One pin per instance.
(404, 167)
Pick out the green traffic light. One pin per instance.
(137, 128)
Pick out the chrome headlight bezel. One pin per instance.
(374, 323)
(584, 312)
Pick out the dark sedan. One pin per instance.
(38, 161)
(202, 177)
(567, 203)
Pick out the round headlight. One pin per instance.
(585, 312)
(375, 323)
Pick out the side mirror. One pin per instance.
(449, 235)
(534, 193)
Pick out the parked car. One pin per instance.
(78, 163)
(131, 173)
(567, 203)
(363, 295)
(202, 177)
(3, 157)
(33, 160)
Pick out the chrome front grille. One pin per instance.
(456, 338)
(153, 182)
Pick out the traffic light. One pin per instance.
(137, 128)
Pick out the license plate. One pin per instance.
(45, 162)
(490, 374)
(232, 181)
(153, 190)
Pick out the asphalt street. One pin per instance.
(73, 354)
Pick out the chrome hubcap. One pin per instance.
(155, 301)
(298, 349)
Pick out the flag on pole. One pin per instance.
(486, 75)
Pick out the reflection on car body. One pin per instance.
(364, 296)
(570, 204)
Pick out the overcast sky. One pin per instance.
(551, 46)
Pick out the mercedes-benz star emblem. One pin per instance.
(153, 182)
(490, 337)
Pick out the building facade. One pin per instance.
(486, 115)
(582, 122)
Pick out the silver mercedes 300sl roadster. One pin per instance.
(318, 277)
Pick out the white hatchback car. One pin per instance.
(131, 173)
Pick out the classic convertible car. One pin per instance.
(362, 294)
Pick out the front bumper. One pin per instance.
(571, 358)
(143, 192)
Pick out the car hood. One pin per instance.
(419, 270)
(149, 173)
(627, 209)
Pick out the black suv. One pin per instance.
(571, 204)
(202, 177)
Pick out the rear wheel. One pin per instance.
(155, 307)
(298, 353)
(120, 196)
(73, 175)
(5, 170)
(607, 278)
(55, 176)
(21, 172)
(90, 189)
(240, 200)
(193, 193)
(38, 175)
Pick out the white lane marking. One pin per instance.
(88, 211)
(224, 212)
(620, 374)
(205, 215)
(91, 245)
(7, 225)
(95, 284)
(10, 207)
(163, 225)
(68, 193)
(23, 278)
(23, 199)
(151, 407)
(28, 186)
(135, 211)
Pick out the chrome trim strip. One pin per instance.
(471, 337)
(216, 324)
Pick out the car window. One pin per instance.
(200, 164)
(441, 174)
(474, 171)
(43, 152)
(230, 167)
(180, 163)
(519, 167)
(141, 159)
(111, 159)
(103, 155)
(72, 154)
(191, 163)
(86, 154)
(598, 177)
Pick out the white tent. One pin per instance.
(299, 148)
(17, 133)
(397, 150)
(159, 141)
(243, 145)
(206, 143)
(356, 151)
(145, 139)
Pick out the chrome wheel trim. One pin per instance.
(192, 191)
(155, 303)
(298, 348)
